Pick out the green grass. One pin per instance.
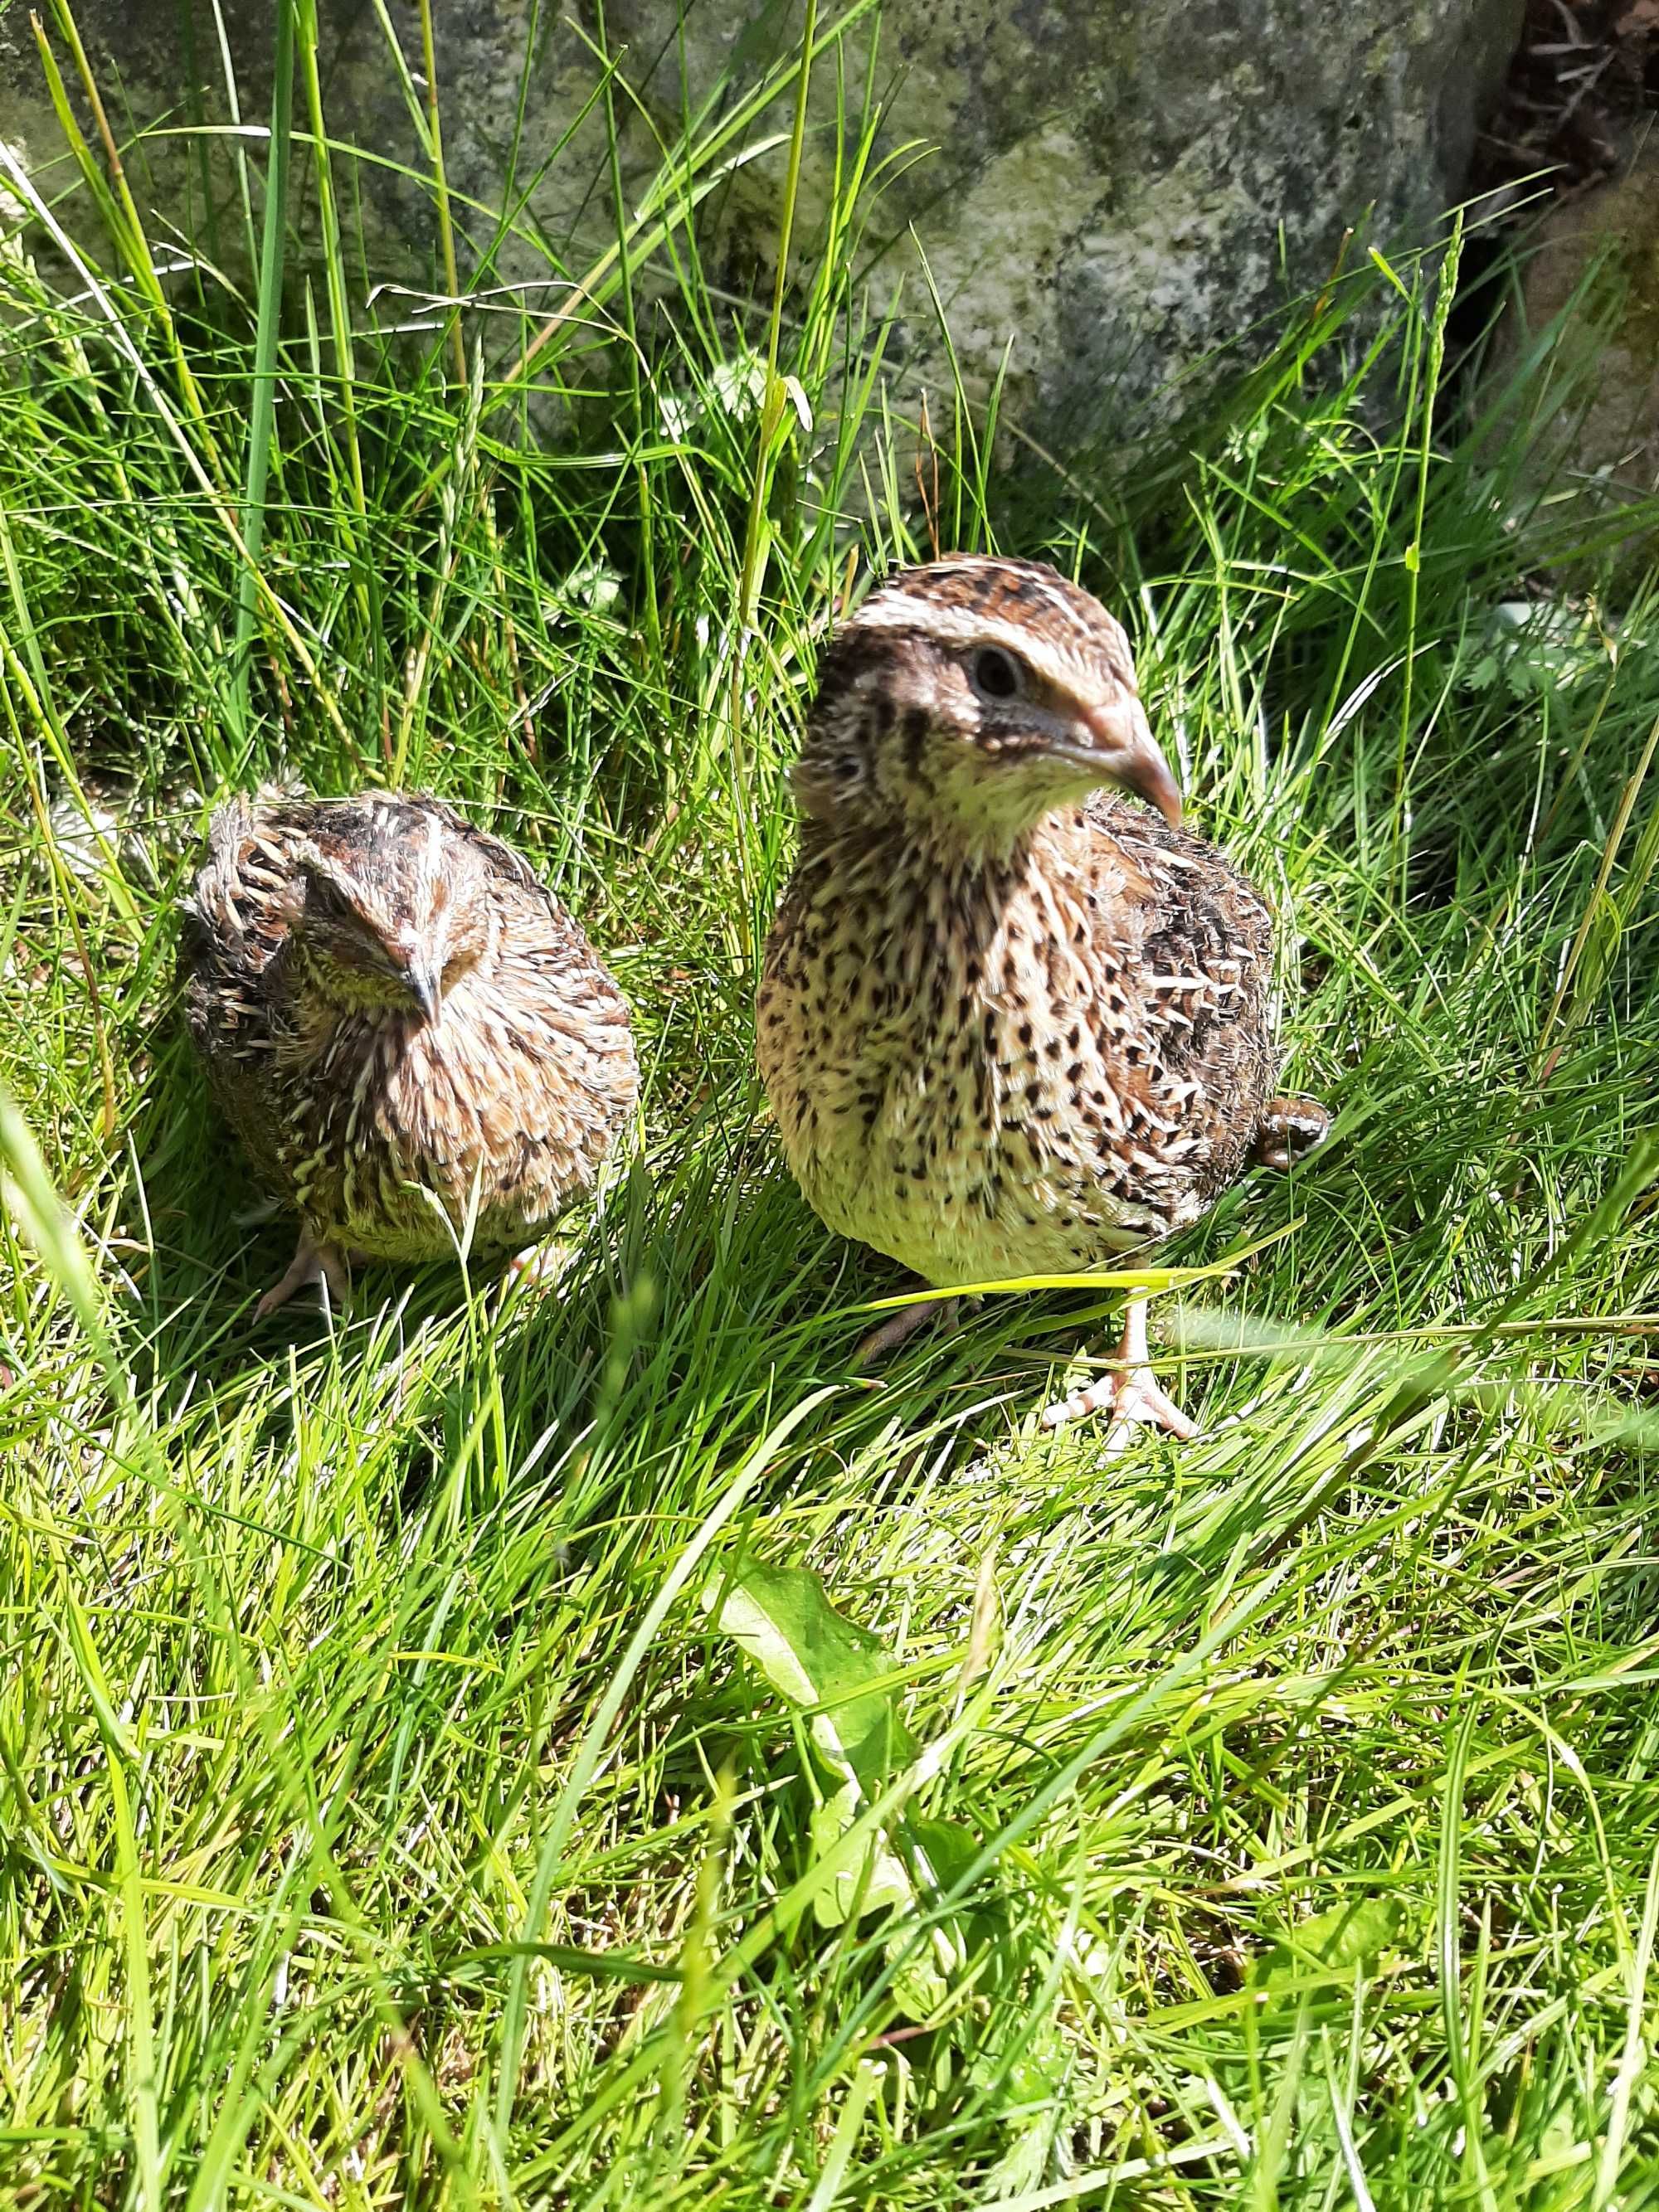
(399, 1805)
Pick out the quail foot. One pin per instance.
(1014, 1019)
(403, 1026)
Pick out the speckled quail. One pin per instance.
(403, 1026)
(1010, 1022)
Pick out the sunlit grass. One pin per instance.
(390, 1814)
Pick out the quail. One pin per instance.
(405, 1029)
(1011, 1021)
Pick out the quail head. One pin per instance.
(1011, 1021)
(403, 1026)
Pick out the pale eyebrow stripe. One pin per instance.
(964, 626)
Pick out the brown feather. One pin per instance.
(379, 1125)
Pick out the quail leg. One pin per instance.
(538, 1265)
(312, 1262)
(1129, 1389)
(898, 1327)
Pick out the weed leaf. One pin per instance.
(822, 1663)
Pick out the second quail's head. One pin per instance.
(394, 911)
(969, 698)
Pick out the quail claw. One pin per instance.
(312, 1262)
(1135, 1400)
(1128, 1390)
(538, 1265)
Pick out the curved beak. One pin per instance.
(1120, 738)
(426, 987)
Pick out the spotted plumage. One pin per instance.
(1011, 1022)
(403, 1026)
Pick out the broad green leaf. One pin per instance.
(1345, 1939)
(946, 1850)
(880, 1883)
(927, 1971)
(816, 1658)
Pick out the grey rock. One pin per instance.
(1592, 276)
(1118, 186)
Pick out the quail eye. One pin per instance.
(995, 674)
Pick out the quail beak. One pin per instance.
(426, 987)
(1121, 738)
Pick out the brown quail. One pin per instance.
(1010, 1022)
(403, 1026)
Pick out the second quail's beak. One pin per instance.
(1122, 739)
(426, 986)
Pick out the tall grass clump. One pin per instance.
(592, 1747)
